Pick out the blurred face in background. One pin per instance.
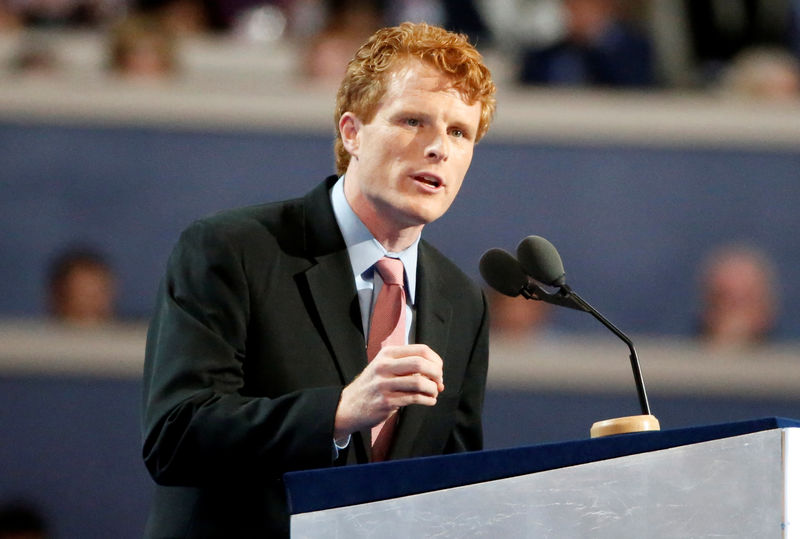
(143, 48)
(739, 303)
(85, 295)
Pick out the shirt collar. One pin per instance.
(363, 249)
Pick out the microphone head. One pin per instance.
(539, 258)
(503, 272)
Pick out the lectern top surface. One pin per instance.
(315, 490)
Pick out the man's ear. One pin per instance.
(349, 129)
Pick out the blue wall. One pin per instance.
(631, 222)
(71, 446)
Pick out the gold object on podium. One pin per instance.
(624, 425)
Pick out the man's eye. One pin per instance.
(457, 133)
(413, 122)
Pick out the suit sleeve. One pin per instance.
(197, 426)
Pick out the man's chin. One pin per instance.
(421, 217)
(412, 212)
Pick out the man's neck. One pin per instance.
(393, 236)
(393, 240)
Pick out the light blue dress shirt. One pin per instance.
(364, 250)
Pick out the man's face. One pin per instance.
(86, 296)
(408, 162)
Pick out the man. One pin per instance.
(738, 305)
(256, 358)
(81, 288)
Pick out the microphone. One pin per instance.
(540, 259)
(503, 272)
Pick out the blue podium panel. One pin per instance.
(731, 484)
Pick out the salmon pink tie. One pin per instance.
(387, 327)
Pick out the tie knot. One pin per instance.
(391, 270)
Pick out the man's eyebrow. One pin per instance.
(412, 111)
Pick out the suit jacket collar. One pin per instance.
(321, 234)
(330, 281)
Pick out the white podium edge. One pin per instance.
(791, 489)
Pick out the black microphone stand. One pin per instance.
(566, 297)
(566, 292)
(540, 262)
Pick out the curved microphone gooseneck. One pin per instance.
(540, 259)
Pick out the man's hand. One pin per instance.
(397, 377)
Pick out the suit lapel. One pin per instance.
(433, 309)
(332, 292)
(338, 309)
(434, 314)
(330, 283)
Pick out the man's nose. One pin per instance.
(438, 147)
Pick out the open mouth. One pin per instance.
(432, 181)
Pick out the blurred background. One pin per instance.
(656, 143)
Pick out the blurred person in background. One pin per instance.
(462, 16)
(183, 18)
(599, 44)
(10, 20)
(82, 288)
(720, 30)
(35, 57)
(348, 24)
(66, 13)
(761, 73)
(141, 48)
(738, 306)
(21, 520)
(227, 15)
(517, 317)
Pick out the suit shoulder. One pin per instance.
(244, 224)
(247, 217)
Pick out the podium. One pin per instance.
(729, 480)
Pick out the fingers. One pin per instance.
(398, 376)
(408, 363)
(403, 399)
(395, 386)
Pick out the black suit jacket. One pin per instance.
(257, 329)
